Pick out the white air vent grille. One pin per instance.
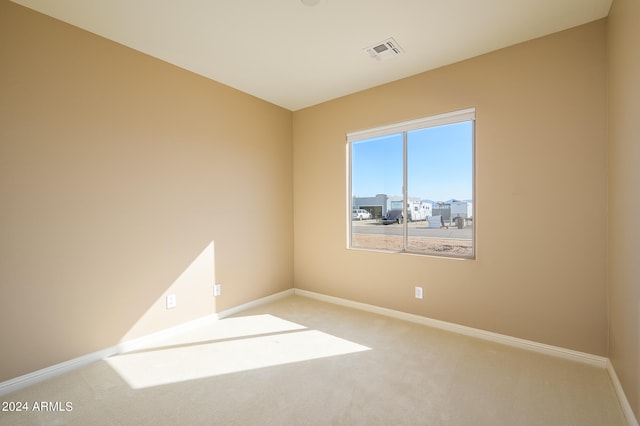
(384, 50)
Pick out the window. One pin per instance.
(416, 180)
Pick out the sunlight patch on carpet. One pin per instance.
(207, 358)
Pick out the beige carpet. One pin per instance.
(298, 361)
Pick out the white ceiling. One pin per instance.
(296, 56)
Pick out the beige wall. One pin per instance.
(624, 181)
(540, 272)
(124, 178)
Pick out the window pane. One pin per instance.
(440, 190)
(376, 182)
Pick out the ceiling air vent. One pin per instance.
(384, 50)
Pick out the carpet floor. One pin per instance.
(299, 361)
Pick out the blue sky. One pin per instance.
(440, 163)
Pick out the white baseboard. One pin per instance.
(624, 402)
(254, 303)
(150, 339)
(38, 376)
(47, 373)
(582, 357)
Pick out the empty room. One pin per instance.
(319, 212)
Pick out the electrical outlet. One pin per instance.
(418, 292)
(217, 289)
(172, 302)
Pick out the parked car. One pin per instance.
(360, 214)
(393, 216)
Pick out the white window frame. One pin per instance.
(453, 117)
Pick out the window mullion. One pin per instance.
(405, 194)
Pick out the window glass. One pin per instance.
(440, 183)
(377, 170)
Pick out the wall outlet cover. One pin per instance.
(172, 301)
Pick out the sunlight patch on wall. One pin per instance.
(225, 352)
(194, 291)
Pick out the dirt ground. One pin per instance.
(434, 246)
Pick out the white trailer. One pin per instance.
(416, 209)
(419, 210)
